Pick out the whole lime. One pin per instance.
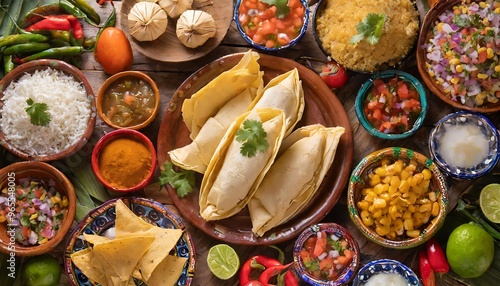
(42, 270)
(470, 250)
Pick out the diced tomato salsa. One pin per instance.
(392, 106)
(262, 24)
(325, 255)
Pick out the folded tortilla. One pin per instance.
(283, 92)
(301, 164)
(207, 102)
(232, 178)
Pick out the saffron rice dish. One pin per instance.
(336, 24)
(68, 106)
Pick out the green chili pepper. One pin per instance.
(8, 64)
(75, 11)
(55, 53)
(21, 38)
(38, 13)
(89, 43)
(110, 22)
(26, 48)
(87, 9)
(58, 43)
(60, 34)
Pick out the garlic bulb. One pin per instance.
(175, 7)
(195, 27)
(147, 21)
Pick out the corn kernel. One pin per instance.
(481, 76)
(432, 196)
(395, 181)
(408, 224)
(392, 190)
(404, 187)
(398, 226)
(404, 174)
(42, 197)
(482, 5)
(426, 218)
(454, 61)
(497, 10)
(435, 209)
(380, 171)
(449, 53)
(378, 189)
(385, 220)
(454, 80)
(43, 241)
(391, 235)
(440, 26)
(379, 203)
(64, 202)
(413, 208)
(365, 217)
(385, 196)
(363, 205)
(427, 174)
(413, 233)
(377, 213)
(425, 208)
(371, 209)
(398, 166)
(375, 180)
(407, 214)
(383, 230)
(497, 68)
(387, 180)
(490, 53)
(459, 68)
(33, 216)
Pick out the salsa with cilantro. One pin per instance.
(271, 23)
(39, 211)
(326, 255)
(393, 105)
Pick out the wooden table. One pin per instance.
(169, 76)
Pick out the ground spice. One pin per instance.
(124, 162)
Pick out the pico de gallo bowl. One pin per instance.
(270, 25)
(391, 105)
(326, 254)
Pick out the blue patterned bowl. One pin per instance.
(102, 219)
(263, 47)
(360, 180)
(482, 125)
(385, 266)
(347, 273)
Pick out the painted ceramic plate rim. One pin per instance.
(319, 205)
(93, 214)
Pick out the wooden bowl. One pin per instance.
(132, 135)
(119, 76)
(30, 68)
(425, 33)
(37, 170)
(360, 180)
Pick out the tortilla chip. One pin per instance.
(122, 255)
(127, 222)
(95, 239)
(167, 272)
(83, 260)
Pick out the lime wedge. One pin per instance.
(489, 200)
(223, 261)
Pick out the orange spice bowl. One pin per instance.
(143, 107)
(124, 160)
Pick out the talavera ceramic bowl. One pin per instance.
(387, 266)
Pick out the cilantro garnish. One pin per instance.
(37, 112)
(182, 181)
(282, 8)
(370, 29)
(253, 136)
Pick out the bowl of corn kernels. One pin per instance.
(397, 197)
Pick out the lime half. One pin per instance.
(489, 200)
(223, 261)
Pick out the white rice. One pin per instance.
(68, 106)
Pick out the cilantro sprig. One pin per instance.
(282, 8)
(182, 181)
(253, 136)
(370, 29)
(38, 112)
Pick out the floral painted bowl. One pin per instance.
(362, 187)
(338, 231)
(385, 266)
(464, 145)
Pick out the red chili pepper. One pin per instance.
(51, 23)
(252, 263)
(254, 283)
(426, 271)
(290, 279)
(436, 256)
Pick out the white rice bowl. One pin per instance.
(68, 105)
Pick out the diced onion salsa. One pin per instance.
(262, 23)
(326, 255)
(463, 51)
(39, 210)
(392, 105)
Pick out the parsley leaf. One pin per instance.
(370, 29)
(37, 112)
(253, 136)
(282, 8)
(182, 181)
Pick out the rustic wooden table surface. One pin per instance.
(169, 76)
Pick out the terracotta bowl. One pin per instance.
(387, 266)
(109, 138)
(335, 231)
(37, 170)
(365, 91)
(364, 187)
(263, 47)
(30, 68)
(428, 25)
(120, 76)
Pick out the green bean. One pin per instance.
(26, 48)
(87, 9)
(8, 64)
(55, 53)
(21, 38)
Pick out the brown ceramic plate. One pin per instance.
(321, 106)
(167, 48)
(425, 34)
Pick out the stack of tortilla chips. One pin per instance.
(139, 250)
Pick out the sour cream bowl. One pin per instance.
(464, 145)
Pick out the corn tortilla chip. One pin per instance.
(83, 260)
(167, 272)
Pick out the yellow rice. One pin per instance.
(337, 24)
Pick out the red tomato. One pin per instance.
(334, 75)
